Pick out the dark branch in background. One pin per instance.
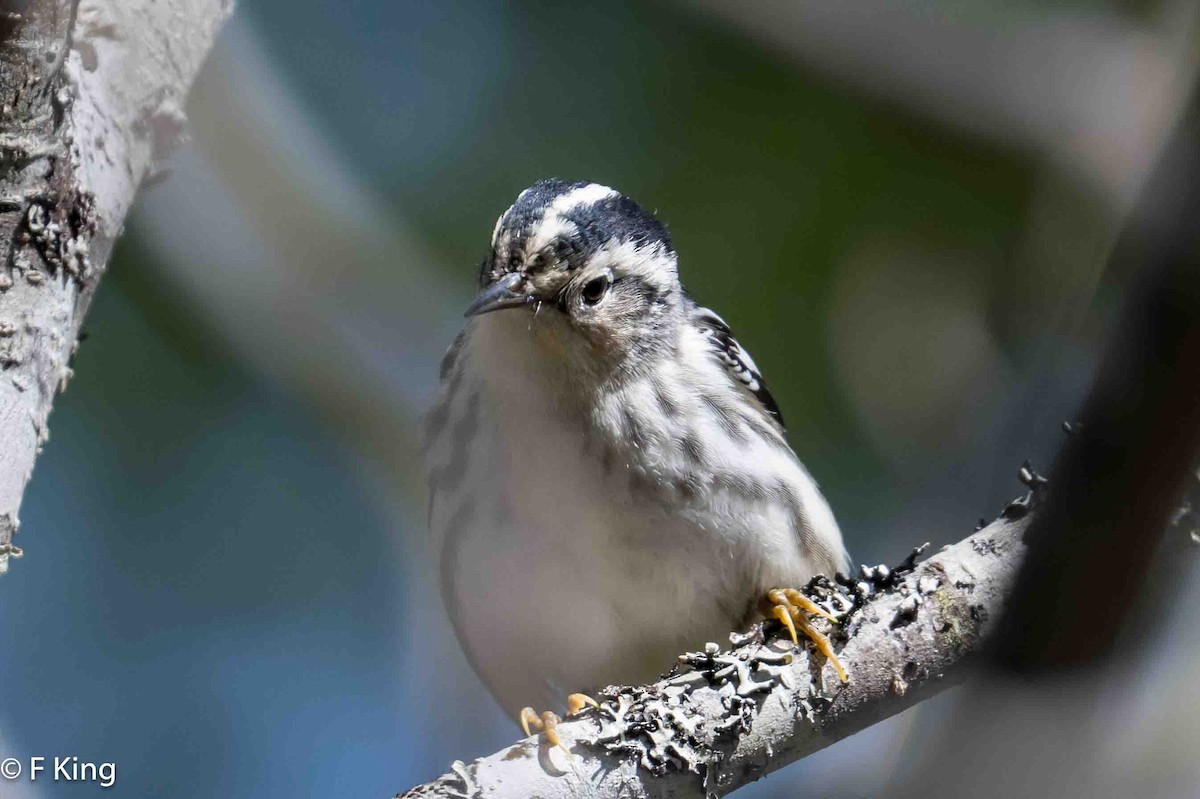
(1118, 481)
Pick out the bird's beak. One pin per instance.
(501, 294)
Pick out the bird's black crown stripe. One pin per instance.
(614, 218)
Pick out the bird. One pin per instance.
(610, 482)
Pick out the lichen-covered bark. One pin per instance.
(91, 95)
(725, 718)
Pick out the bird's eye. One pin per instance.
(595, 289)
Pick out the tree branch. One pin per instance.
(724, 719)
(91, 97)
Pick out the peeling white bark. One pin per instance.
(91, 99)
(725, 719)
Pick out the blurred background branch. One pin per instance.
(1121, 476)
(1094, 93)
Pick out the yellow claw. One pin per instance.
(825, 648)
(797, 598)
(786, 604)
(546, 724)
(528, 715)
(577, 702)
(784, 615)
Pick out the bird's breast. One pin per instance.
(556, 573)
(577, 546)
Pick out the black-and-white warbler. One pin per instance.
(610, 484)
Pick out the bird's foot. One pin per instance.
(547, 722)
(786, 605)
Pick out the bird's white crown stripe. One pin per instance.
(552, 222)
(584, 195)
(548, 230)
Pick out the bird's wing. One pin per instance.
(736, 360)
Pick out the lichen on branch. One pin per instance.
(724, 717)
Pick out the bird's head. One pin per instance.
(589, 255)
